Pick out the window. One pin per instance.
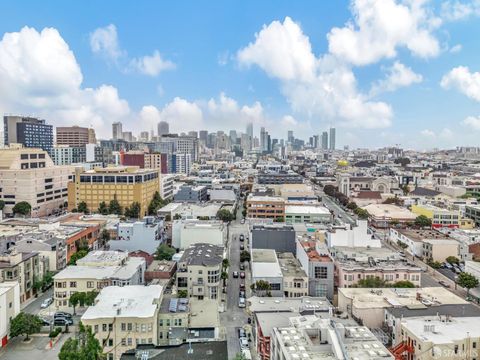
(104, 327)
(321, 272)
(123, 326)
(110, 342)
(24, 156)
(129, 326)
(124, 342)
(90, 284)
(95, 329)
(73, 284)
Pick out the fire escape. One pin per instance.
(400, 349)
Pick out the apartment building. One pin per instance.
(145, 234)
(95, 271)
(295, 280)
(9, 308)
(67, 155)
(265, 207)
(75, 136)
(415, 239)
(126, 184)
(166, 186)
(199, 271)
(156, 161)
(23, 268)
(439, 250)
(195, 194)
(173, 321)
(383, 215)
(352, 236)
(354, 264)
(28, 174)
(124, 318)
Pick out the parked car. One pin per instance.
(242, 247)
(444, 284)
(244, 343)
(242, 267)
(241, 294)
(235, 274)
(242, 275)
(45, 322)
(242, 286)
(242, 221)
(62, 321)
(241, 333)
(46, 303)
(62, 314)
(448, 265)
(242, 238)
(241, 302)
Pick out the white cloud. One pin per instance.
(322, 88)
(445, 134)
(461, 79)
(151, 65)
(460, 10)
(427, 133)
(104, 41)
(223, 58)
(380, 27)
(397, 76)
(472, 122)
(289, 120)
(282, 51)
(456, 49)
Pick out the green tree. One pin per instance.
(77, 256)
(224, 215)
(83, 347)
(114, 207)
(82, 207)
(177, 217)
(156, 203)
(403, 284)
(423, 221)
(361, 213)
(351, 205)
(133, 211)
(74, 300)
(168, 217)
(225, 263)
(182, 293)
(2, 205)
(224, 277)
(434, 264)
(467, 281)
(402, 244)
(452, 260)
(262, 287)
(164, 252)
(330, 190)
(371, 282)
(22, 208)
(47, 279)
(278, 219)
(25, 324)
(244, 213)
(244, 256)
(103, 208)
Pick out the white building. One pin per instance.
(266, 267)
(145, 234)
(9, 308)
(306, 214)
(189, 232)
(352, 236)
(166, 186)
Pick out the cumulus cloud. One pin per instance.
(464, 81)
(317, 87)
(472, 122)
(460, 10)
(379, 28)
(104, 41)
(397, 76)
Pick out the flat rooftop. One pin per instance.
(280, 304)
(419, 235)
(125, 302)
(290, 265)
(389, 211)
(307, 209)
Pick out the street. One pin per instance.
(33, 307)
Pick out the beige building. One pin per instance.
(9, 308)
(95, 271)
(295, 280)
(75, 136)
(439, 250)
(127, 184)
(23, 268)
(125, 317)
(28, 174)
(173, 321)
(199, 271)
(265, 207)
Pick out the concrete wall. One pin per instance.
(281, 240)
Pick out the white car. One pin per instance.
(244, 343)
(46, 303)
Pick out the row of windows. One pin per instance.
(32, 156)
(119, 179)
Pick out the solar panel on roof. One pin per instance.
(173, 305)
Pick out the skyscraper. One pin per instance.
(74, 136)
(28, 131)
(325, 140)
(163, 128)
(250, 130)
(117, 131)
(263, 139)
(332, 138)
(290, 137)
(233, 136)
(203, 137)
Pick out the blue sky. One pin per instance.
(382, 72)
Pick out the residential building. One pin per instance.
(125, 184)
(440, 217)
(186, 233)
(265, 207)
(28, 131)
(125, 317)
(156, 161)
(166, 186)
(173, 321)
(23, 268)
(265, 267)
(95, 271)
(160, 270)
(354, 264)
(368, 305)
(473, 212)
(194, 194)
(74, 136)
(29, 175)
(414, 239)
(133, 158)
(199, 271)
(352, 236)
(439, 250)
(311, 337)
(295, 280)
(324, 140)
(67, 155)
(280, 178)
(332, 139)
(279, 237)
(319, 267)
(145, 234)
(9, 308)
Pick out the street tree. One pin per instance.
(22, 208)
(224, 215)
(164, 252)
(423, 221)
(114, 206)
(133, 211)
(103, 208)
(452, 260)
(467, 281)
(244, 256)
(25, 324)
(83, 347)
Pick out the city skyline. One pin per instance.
(416, 85)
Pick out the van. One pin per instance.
(241, 302)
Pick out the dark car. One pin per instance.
(241, 294)
(62, 315)
(242, 237)
(242, 286)
(242, 247)
(62, 321)
(242, 267)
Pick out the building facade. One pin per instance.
(28, 131)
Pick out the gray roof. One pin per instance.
(455, 310)
(210, 350)
(202, 254)
(420, 191)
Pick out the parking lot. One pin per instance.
(36, 348)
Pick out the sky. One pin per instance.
(383, 72)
